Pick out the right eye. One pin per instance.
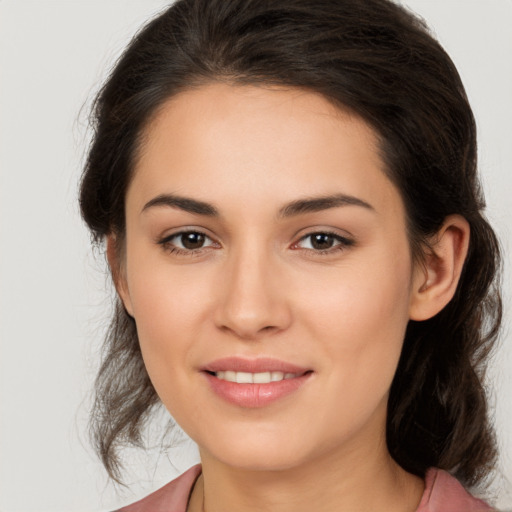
(187, 242)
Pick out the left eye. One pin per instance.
(322, 241)
(188, 240)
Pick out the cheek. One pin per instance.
(357, 320)
(170, 307)
(359, 316)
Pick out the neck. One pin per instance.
(364, 479)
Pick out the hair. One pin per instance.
(380, 62)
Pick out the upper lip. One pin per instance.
(260, 365)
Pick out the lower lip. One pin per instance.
(255, 395)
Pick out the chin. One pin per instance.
(253, 451)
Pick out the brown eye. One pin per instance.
(192, 240)
(187, 242)
(322, 241)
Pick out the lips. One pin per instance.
(254, 383)
(238, 364)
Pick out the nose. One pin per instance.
(253, 295)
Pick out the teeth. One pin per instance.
(244, 378)
(254, 378)
(261, 378)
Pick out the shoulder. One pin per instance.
(172, 497)
(444, 493)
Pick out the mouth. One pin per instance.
(254, 383)
(255, 378)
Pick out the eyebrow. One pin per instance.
(317, 204)
(298, 207)
(183, 203)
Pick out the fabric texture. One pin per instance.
(172, 497)
(443, 493)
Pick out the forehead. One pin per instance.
(259, 143)
(271, 117)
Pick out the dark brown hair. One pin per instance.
(379, 61)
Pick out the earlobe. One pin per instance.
(116, 269)
(435, 280)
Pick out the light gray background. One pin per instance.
(53, 291)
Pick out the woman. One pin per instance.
(288, 196)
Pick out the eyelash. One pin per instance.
(342, 243)
(172, 249)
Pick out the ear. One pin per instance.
(436, 278)
(117, 271)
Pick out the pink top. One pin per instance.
(443, 493)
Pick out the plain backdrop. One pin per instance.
(55, 297)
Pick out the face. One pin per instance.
(264, 242)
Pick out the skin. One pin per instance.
(258, 288)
